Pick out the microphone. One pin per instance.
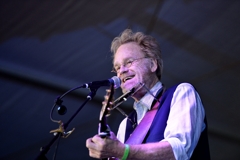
(95, 84)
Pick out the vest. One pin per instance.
(156, 131)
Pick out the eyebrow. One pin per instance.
(124, 60)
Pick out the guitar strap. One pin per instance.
(141, 130)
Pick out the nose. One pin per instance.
(123, 69)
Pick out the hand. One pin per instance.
(105, 147)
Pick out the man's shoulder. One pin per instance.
(183, 86)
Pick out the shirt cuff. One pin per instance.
(178, 149)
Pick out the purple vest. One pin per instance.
(156, 131)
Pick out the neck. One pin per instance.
(139, 94)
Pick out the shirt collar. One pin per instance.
(148, 98)
(146, 101)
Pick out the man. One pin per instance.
(178, 130)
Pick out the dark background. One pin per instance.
(49, 47)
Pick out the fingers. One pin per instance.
(91, 147)
(103, 147)
(89, 142)
(96, 143)
(97, 139)
(113, 136)
(96, 146)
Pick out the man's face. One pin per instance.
(133, 67)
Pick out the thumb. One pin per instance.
(113, 136)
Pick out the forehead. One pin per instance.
(126, 51)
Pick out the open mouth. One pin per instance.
(127, 78)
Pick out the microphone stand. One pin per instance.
(62, 127)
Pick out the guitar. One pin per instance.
(103, 128)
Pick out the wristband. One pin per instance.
(126, 152)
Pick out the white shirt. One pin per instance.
(185, 122)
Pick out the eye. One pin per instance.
(116, 68)
(129, 63)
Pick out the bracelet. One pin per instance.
(126, 152)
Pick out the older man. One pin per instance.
(177, 129)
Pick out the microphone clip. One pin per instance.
(61, 130)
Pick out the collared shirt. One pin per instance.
(145, 103)
(185, 122)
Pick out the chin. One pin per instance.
(127, 87)
(124, 89)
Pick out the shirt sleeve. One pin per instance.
(185, 122)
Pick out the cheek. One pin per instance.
(143, 71)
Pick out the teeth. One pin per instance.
(125, 79)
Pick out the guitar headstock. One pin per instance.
(107, 103)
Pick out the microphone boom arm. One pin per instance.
(62, 127)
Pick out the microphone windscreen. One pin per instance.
(116, 81)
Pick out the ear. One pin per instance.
(153, 65)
